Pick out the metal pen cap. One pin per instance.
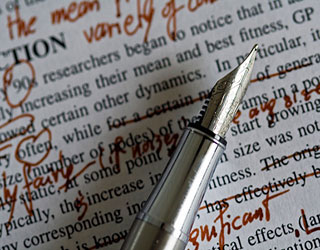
(166, 220)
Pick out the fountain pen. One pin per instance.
(165, 222)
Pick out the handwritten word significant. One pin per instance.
(226, 223)
(203, 232)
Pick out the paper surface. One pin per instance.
(95, 94)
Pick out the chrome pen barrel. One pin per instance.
(167, 218)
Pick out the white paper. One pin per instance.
(98, 83)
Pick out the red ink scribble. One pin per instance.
(251, 192)
(118, 11)
(170, 12)
(117, 151)
(307, 93)
(10, 198)
(5, 147)
(308, 150)
(226, 223)
(146, 14)
(171, 139)
(236, 117)
(27, 165)
(69, 171)
(100, 157)
(138, 149)
(23, 28)
(79, 204)
(21, 132)
(141, 148)
(195, 233)
(66, 173)
(130, 26)
(269, 106)
(237, 222)
(33, 138)
(308, 230)
(74, 11)
(192, 7)
(288, 102)
(7, 79)
(279, 73)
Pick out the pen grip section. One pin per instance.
(166, 220)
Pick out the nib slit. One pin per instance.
(225, 97)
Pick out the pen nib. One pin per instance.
(225, 97)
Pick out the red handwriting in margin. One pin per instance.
(11, 197)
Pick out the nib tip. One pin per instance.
(249, 61)
(253, 51)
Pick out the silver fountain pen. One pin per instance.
(167, 218)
